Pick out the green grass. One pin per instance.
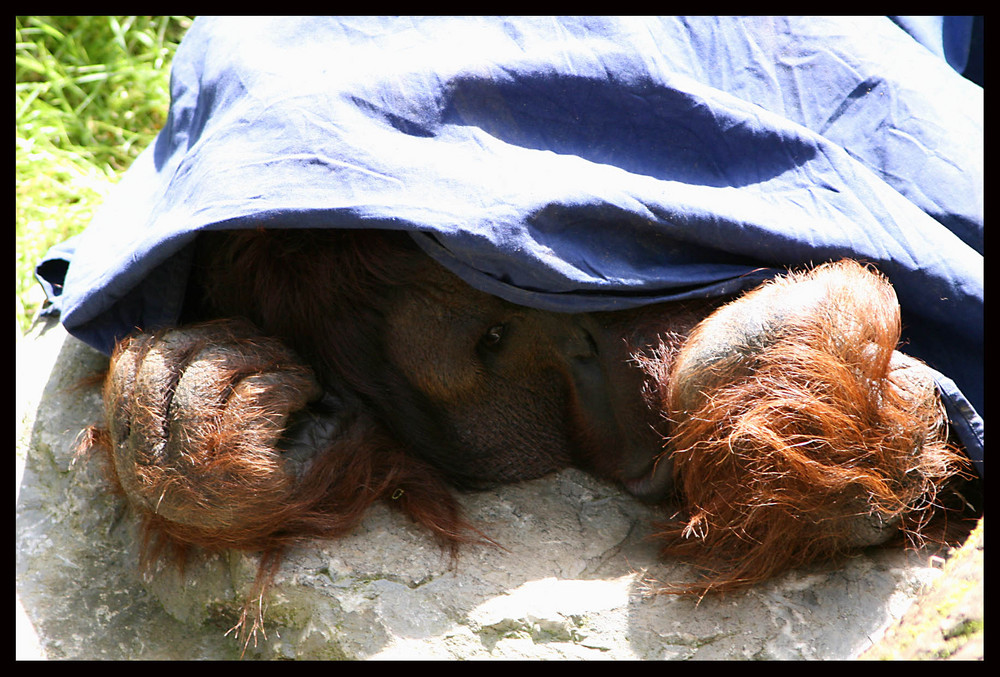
(91, 93)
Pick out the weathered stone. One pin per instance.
(947, 620)
(569, 581)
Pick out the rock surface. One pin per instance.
(570, 579)
(947, 620)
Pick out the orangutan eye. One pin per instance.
(493, 335)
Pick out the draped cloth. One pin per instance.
(569, 164)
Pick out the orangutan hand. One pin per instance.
(800, 433)
(192, 411)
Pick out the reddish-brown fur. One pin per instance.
(786, 462)
(793, 431)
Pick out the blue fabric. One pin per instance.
(948, 37)
(567, 163)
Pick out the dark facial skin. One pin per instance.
(513, 393)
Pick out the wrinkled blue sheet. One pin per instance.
(570, 164)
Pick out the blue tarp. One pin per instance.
(570, 164)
